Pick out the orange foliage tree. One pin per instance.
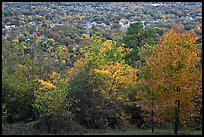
(173, 72)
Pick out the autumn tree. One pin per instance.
(21, 38)
(102, 74)
(20, 73)
(172, 71)
(30, 18)
(52, 104)
(39, 18)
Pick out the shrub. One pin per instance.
(19, 129)
(58, 125)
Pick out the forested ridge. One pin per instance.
(67, 69)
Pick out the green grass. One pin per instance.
(140, 132)
(28, 129)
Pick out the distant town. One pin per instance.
(103, 17)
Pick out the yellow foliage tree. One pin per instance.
(118, 80)
(102, 76)
(51, 99)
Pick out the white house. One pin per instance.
(10, 27)
(52, 25)
(94, 23)
(27, 38)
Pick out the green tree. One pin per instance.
(18, 81)
(136, 37)
(20, 72)
(14, 21)
(21, 38)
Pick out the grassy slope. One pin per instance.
(27, 129)
(140, 132)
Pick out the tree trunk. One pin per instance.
(152, 121)
(152, 114)
(177, 105)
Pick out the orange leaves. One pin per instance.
(176, 51)
(173, 65)
(79, 63)
(64, 48)
(189, 37)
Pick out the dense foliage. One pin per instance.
(65, 70)
(174, 73)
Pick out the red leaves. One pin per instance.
(35, 34)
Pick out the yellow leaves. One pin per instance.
(120, 49)
(81, 50)
(52, 54)
(51, 49)
(29, 17)
(107, 44)
(117, 78)
(50, 98)
(84, 35)
(122, 20)
(120, 98)
(63, 48)
(122, 79)
(37, 93)
(70, 72)
(86, 55)
(69, 17)
(102, 72)
(106, 68)
(46, 85)
(55, 75)
(101, 51)
(48, 102)
(127, 50)
(15, 41)
(63, 62)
